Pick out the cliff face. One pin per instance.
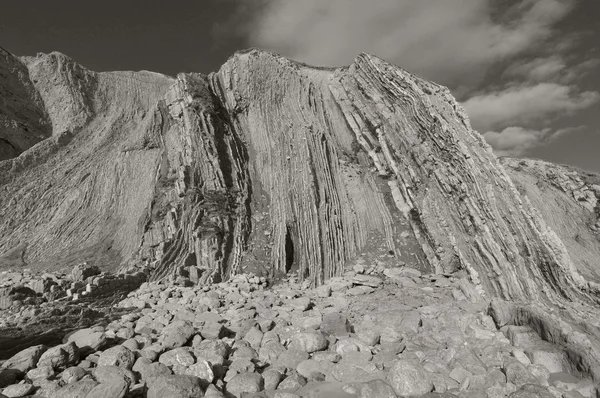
(271, 165)
(23, 120)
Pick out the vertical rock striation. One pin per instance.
(275, 165)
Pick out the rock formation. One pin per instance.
(269, 165)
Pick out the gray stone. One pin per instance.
(177, 334)
(254, 337)
(335, 324)
(17, 390)
(518, 374)
(60, 357)
(88, 340)
(501, 311)
(367, 280)
(72, 374)
(291, 358)
(26, 359)
(177, 356)
(292, 382)
(308, 368)
(117, 356)
(408, 378)
(245, 383)
(309, 341)
(370, 389)
(212, 330)
(201, 369)
(368, 332)
(150, 371)
(272, 378)
(104, 374)
(41, 372)
(78, 389)
(116, 388)
(176, 386)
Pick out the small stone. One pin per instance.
(370, 389)
(18, 390)
(88, 340)
(41, 372)
(116, 388)
(60, 356)
(254, 337)
(201, 369)
(547, 355)
(72, 374)
(177, 356)
(175, 386)
(150, 370)
(292, 382)
(300, 304)
(335, 324)
(245, 383)
(26, 359)
(309, 341)
(368, 333)
(283, 394)
(117, 356)
(521, 357)
(272, 378)
(518, 374)
(308, 368)
(291, 358)
(459, 374)
(367, 280)
(408, 378)
(212, 331)
(177, 334)
(323, 291)
(78, 389)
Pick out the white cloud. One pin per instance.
(552, 68)
(525, 105)
(452, 42)
(516, 141)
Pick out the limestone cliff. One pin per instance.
(271, 165)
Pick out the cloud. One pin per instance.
(452, 42)
(514, 70)
(516, 141)
(525, 105)
(553, 68)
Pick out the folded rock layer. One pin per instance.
(270, 165)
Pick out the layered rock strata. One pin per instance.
(271, 165)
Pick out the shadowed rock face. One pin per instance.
(23, 120)
(272, 165)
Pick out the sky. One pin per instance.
(527, 71)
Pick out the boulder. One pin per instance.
(409, 379)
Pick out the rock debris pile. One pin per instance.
(372, 333)
(21, 289)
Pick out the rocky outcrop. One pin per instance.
(23, 119)
(269, 165)
(274, 164)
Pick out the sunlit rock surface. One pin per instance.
(269, 165)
